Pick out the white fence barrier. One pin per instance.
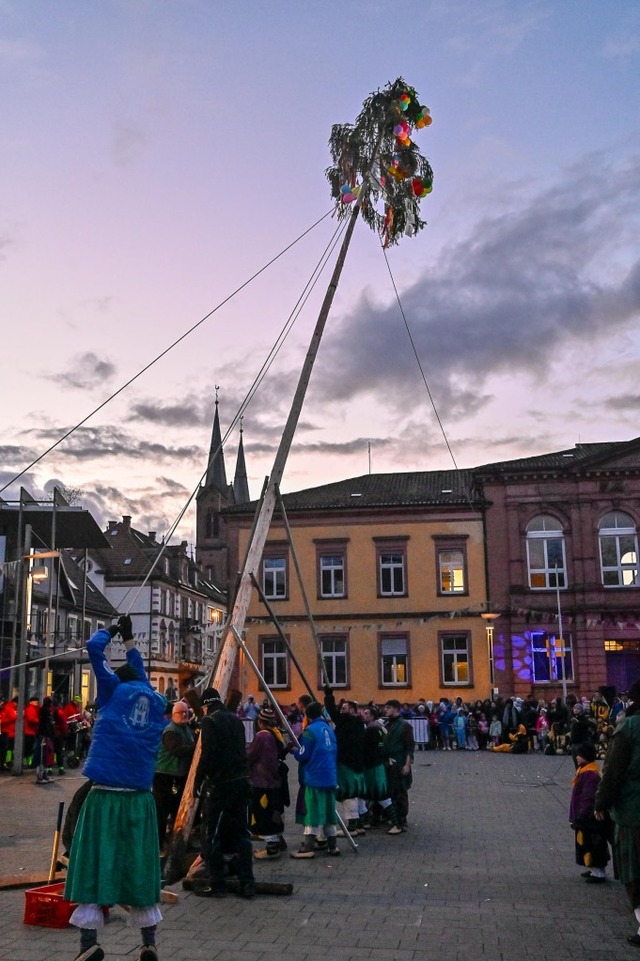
(420, 727)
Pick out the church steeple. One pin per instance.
(216, 473)
(240, 482)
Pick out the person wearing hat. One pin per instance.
(317, 757)
(222, 779)
(114, 857)
(592, 851)
(619, 795)
(269, 795)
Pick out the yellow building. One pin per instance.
(393, 569)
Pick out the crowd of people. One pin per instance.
(56, 734)
(354, 772)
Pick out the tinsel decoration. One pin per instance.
(377, 156)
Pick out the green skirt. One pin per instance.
(114, 856)
(375, 783)
(350, 783)
(319, 807)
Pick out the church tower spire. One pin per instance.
(240, 482)
(216, 472)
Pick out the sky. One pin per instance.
(157, 154)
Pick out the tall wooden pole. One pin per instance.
(183, 824)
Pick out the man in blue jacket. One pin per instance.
(318, 759)
(115, 856)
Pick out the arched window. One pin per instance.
(545, 553)
(618, 550)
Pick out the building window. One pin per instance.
(551, 657)
(451, 572)
(394, 660)
(392, 574)
(618, 550)
(455, 650)
(546, 553)
(274, 577)
(334, 657)
(331, 574)
(275, 663)
(212, 524)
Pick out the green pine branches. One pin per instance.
(377, 154)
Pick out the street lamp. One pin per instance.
(489, 617)
(559, 641)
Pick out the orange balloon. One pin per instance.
(427, 120)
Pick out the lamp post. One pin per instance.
(489, 617)
(559, 645)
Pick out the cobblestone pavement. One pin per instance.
(486, 871)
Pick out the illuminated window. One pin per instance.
(613, 646)
(546, 553)
(618, 550)
(551, 657)
(394, 660)
(451, 572)
(455, 658)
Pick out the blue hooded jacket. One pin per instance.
(318, 755)
(131, 719)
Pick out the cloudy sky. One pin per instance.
(156, 154)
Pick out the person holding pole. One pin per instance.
(115, 857)
(222, 778)
(317, 756)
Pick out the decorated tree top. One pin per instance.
(377, 156)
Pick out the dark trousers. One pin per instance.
(226, 830)
(167, 793)
(398, 786)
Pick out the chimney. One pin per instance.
(126, 521)
(152, 535)
(112, 525)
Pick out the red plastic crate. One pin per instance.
(47, 907)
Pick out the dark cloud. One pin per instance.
(187, 414)
(559, 269)
(630, 402)
(87, 443)
(84, 372)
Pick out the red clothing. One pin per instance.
(31, 718)
(70, 709)
(60, 725)
(8, 718)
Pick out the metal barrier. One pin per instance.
(420, 727)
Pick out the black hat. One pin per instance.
(209, 695)
(587, 750)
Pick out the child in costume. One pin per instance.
(495, 730)
(115, 857)
(592, 851)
